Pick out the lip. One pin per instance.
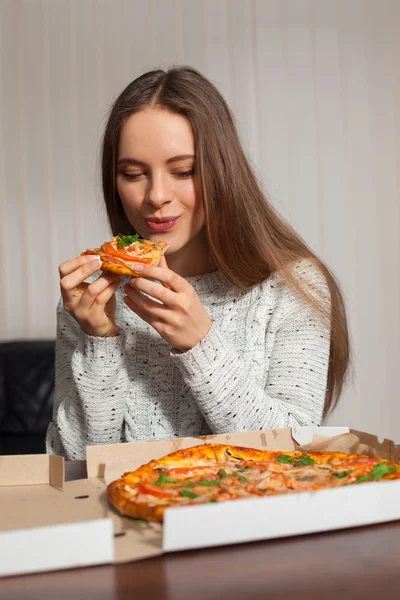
(160, 225)
(161, 219)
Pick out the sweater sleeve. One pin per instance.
(232, 399)
(91, 387)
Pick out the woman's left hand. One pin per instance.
(181, 318)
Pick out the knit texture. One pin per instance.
(263, 365)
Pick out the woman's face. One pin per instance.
(155, 180)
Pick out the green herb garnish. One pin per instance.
(284, 459)
(379, 471)
(301, 461)
(341, 474)
(243, 480)
(127, 240)
(165, 479)
(188, 494)
(212, 500)
(189, 485)
(304, 461)
(209, 482)
(222, 473)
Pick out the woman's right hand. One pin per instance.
(92, 305)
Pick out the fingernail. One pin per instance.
(137, 267)
(96, 259)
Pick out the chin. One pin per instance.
(172, 248)
(175, 245)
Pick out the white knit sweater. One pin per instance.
(262, 365)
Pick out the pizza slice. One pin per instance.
(124, 251)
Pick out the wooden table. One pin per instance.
(352, 564)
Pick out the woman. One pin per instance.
(241, 327)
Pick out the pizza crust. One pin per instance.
(117, 269)
(122, 500)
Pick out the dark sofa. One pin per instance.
(26, 395)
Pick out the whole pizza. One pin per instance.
(219, 473)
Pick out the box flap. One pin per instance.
(304, 435)
(62, 546)
(135, 454)
(386, 449)
(218, 524)
(268, 439)
(34, 469)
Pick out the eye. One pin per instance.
(185, 174)
(132, 176)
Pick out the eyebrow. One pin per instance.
(134, 161)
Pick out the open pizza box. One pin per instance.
(47, 523)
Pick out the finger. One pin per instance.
(169, 278)
(163, 262)
(75, 278)
(155, 290)
(146, 308)
(73, 264)
(100, 302)
(163, 265)
(95, 290)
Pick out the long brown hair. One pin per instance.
(248, 239)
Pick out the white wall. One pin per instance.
(315, 86)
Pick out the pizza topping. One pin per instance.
(165, 479)
(127, 240)
(188, 472)
(224, 494)
(128, 256)
(229, 453)
(379, 471)
(296, 461)
(210, 482)
(188, 494)
(152, 490)
(341, 474)
(360, 462)
(253, 490)
(239, 477)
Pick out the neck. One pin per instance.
(193, 259)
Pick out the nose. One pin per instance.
(158, 192)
